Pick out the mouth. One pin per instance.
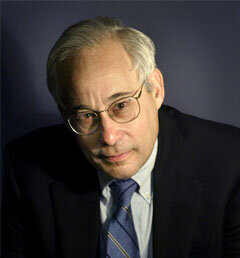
(117, 158)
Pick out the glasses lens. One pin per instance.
(124, 110)
(83, 122)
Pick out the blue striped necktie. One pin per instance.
(122, 239)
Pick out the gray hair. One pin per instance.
(89, 33)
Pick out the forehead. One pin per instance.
(100, 71)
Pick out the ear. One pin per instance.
(156, 80)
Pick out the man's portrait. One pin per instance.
(118, 143)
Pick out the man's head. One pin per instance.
(96, 63)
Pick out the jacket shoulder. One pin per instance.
(189, 124)
(41, 142)
(213, 140)
(40, 135)
(51, 147)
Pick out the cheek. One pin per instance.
(149, 125)
(149, 117)
(85, 144)
(145, 129)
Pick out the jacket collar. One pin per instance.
(177, 193)
(77, 221)
(75, 202)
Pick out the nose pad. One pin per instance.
(108, 129)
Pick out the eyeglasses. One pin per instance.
(124, 110)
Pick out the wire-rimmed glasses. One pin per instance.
(123, 110)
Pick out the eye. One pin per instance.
(121, 108)
(121, 105)
(88, 115)
(85, 115)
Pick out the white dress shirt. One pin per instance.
(141, 205)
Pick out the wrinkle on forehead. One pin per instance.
(104, 58)
(98, 68)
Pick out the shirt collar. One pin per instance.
(142, 177)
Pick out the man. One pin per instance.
(67, 190)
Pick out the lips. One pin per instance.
(116, 158)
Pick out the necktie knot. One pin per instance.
(123, 191)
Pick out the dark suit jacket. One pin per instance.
(52, 194)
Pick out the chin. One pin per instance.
(119, 175)
(118, 171)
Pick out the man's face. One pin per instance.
(98, 77)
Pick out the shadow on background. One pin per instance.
(19, 106)
(18, 90)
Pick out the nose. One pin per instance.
(110, 132)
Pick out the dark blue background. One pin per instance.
(198, 52)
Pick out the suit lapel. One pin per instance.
(176, 194)
(77, 221)
(75, 202)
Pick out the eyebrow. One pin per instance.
(120, 94)
(110, 98)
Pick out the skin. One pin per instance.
(91, 79)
